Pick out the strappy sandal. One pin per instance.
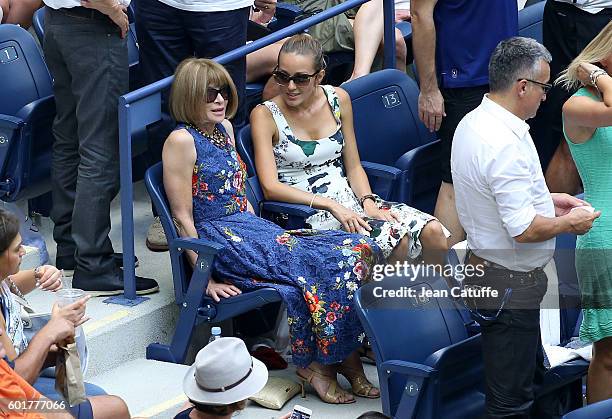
(359, 383)
(332, 395)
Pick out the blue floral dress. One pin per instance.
(316, 272)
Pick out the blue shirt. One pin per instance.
(467, 32)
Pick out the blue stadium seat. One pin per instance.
(27, 109)
(428, 367)
(600, 410)
(190, 288)
(383, 179)
(389, 132)
(530, 21)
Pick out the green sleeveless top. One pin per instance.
(594, 162)
(594, 250)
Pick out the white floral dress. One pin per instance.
(316, 166)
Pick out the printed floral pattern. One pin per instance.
(316, 272)
(317, 167)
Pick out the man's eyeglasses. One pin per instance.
(300, 80)
(545, 86)
(212, 93)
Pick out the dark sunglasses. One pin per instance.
(212, 93)
(284, 79)
(545, 86)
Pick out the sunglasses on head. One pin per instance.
(284, 79)
(212, 93)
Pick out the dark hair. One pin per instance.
(304, 44)
(219, 410)
(372, 415)
(9, 228)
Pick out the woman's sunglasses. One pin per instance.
(299, 80)
(212, 93)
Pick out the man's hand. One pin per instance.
(216, 290)
(564, 203)
(112, 9)
(581, 220)
(431, 109)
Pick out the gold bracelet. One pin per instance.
(312, 200)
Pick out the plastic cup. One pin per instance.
(68, 296)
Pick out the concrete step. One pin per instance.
(154, 389)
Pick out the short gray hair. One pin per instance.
(515, 58)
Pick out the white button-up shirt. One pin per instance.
(499, 187)
(591, 6)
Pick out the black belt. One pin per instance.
(82, 12)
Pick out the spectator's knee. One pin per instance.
(433, 237)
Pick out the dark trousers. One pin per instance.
(458, 102)
(89, 64)
(511, 345)
(167, 35)
(566, 31)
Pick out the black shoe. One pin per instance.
(98, 285)
(67, 263)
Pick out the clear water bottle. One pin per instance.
(215, 333)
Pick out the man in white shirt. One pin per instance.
(510, 219)
(568, 26)
(86, 52)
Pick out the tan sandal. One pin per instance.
(359, 383)
(332, 395)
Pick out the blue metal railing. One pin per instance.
(143, 106)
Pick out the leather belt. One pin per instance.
(82, 12)
(473, 259)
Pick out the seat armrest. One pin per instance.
(407, 368)
(458, 353)
(10, 122)
(297, 210)
(381, 170)
(200, 246)
(383, 178)
(411, 158)
(39, 109)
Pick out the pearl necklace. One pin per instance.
(216, 136)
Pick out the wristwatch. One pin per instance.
(371, 196)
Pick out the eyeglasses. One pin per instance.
(545, 86)
(300, 80)
(212, 93)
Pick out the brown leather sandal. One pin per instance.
(333, 393)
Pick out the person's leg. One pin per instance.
(5, 7)
(216, 33)
(262, 62)
(509, 348)
(434, 242)
(457, 103)
(65, 157)
(599, 379)
(323, 379)
(111, 407)
(352, 369)
(368, 32)
(21, 12)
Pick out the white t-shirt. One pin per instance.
(591, 6)
(208, 5)
(68, 4)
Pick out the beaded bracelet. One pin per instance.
(371, 196)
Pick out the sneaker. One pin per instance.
(68, 264)
(100, 285)
(156, 238)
